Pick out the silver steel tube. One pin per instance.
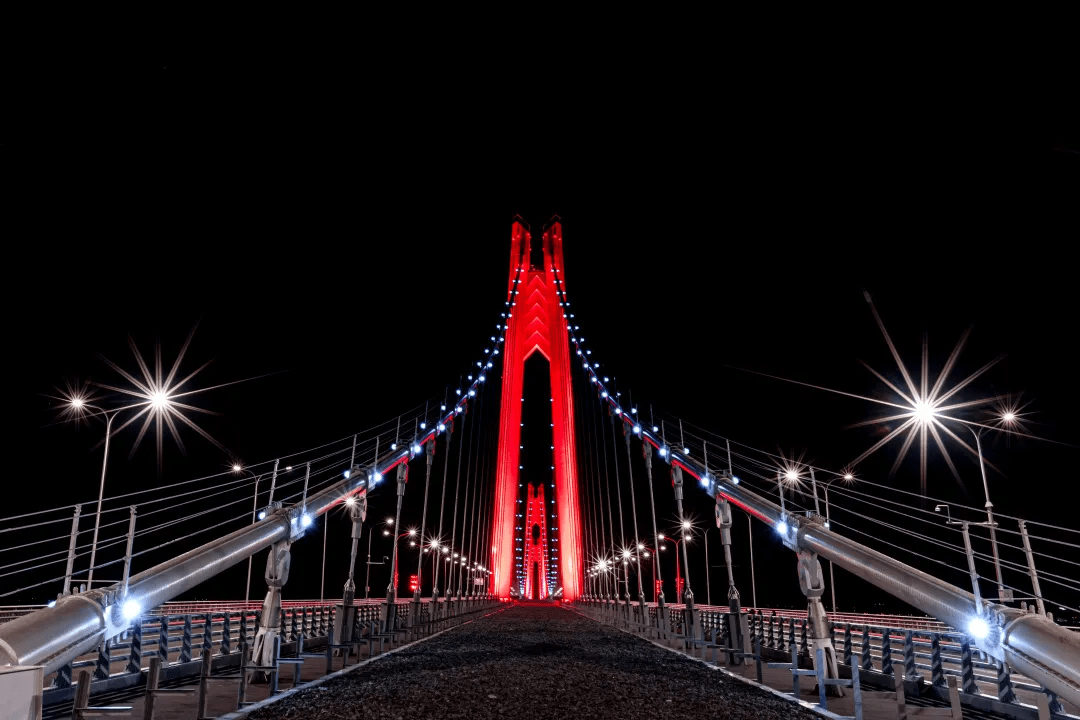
(1030, 643)
(53, 636)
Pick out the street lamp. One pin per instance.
(848, 479)
(79, 405)
(989, 514)
(239, 468)
(408, 533)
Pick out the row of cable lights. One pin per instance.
(416, 447)
(977, 628)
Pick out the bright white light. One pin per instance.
(262, 514)
(686, 524)
(655, 429)
(792, 476)
(78, 402)
(378, 476)
(603, 394)
(52, 603)
(686, 451)
(412, 533)
(482, 378)
(826, 525)
(1007, 417)
(781, 527)
(305, 520)
(423, 426)
(685, 537)
(458, 391)
(132, 609)
(924, 412)
(661, 536)
(417, 449)
(849, 476)
(393, 446)
(978, 628)
(618, 411)
(350, 501)
(663, 452)
(288, 467)
(159, 400)
(442, 407)
(606, 378)
(735, 480)
(442, 427)
(346, 474)
(637, 429)
(236, 467)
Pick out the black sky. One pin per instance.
(364, 259)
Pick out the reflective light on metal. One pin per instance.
(132, 609)
(781, 527)
(262, 514)
(305, 520)
(978, 628)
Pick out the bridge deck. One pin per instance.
(533, 661)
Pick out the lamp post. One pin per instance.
(705, 542)
(847, 478)
(407, 533)
(678, 564)
(78, 404)
(238, 469)
(989, 515)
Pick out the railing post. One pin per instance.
(967, 670)
(886, 651)
(63, 676)
(910, 671)
(104, 661)
(1005, 692)
(71, 550)
(847, 644)
(134, 664)
(226, 634)
(208, 632)
(163, 639)
(867, 663)
(185, 641)
(937, 670)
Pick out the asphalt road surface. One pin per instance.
(533, 661)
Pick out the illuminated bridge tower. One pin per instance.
(536, 323)
(536, 544)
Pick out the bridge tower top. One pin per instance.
(546, 259)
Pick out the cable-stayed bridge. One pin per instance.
(535, 479)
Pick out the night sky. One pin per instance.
(361, 265)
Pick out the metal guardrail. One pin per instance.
(178, 639)
(930, 654)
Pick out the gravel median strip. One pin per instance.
(532, 662)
